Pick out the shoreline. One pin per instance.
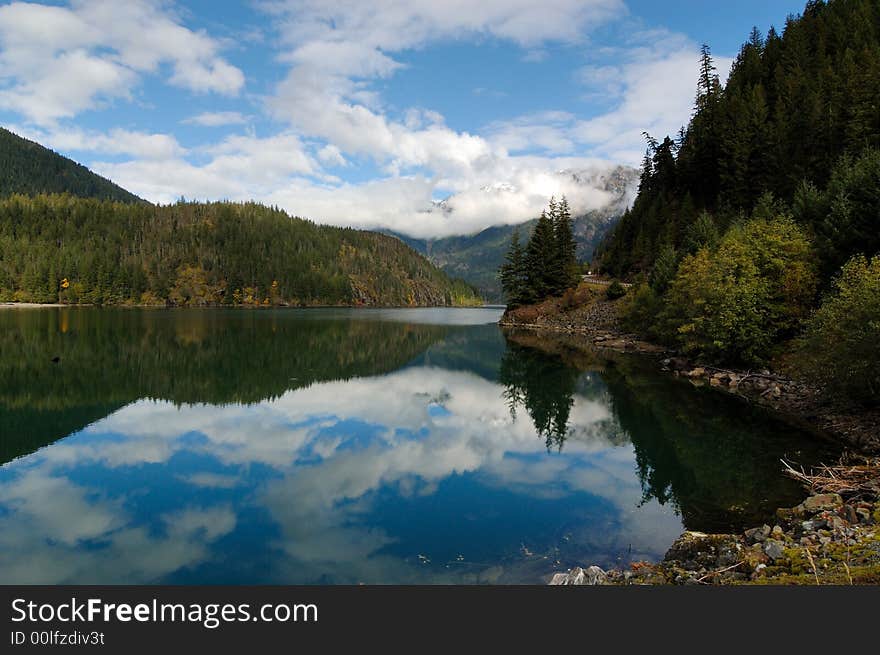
(788, 397)
(34, 305)
(830, 538)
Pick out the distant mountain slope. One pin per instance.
(475, 258)
(69, 235)
(28, 168)
(81, 250)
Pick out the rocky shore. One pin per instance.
(832, 537)
(826, 539)
(595, 321)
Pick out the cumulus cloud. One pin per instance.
(56, 62)
(652, 89)
(337, 49)
(239, 167)
(327, 117)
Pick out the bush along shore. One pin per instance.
(833, 537)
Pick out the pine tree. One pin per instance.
(513, 272)
(708, 81)
(566, 247)
(540, 253)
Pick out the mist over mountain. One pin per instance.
(475, 258)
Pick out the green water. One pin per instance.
(346, 446)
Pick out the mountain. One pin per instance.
(29, 168)
(68, 235)
(476, 257)
(82, 250)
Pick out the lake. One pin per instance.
(339, 446)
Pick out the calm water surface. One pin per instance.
(347, 446)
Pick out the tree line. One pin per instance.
(547, 265)
(60, 248)
(756, 231)
(794, 107)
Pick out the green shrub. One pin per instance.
(615, 290)
(841, 346)
(640, 310)
(734, 304)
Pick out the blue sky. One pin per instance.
(358, 113)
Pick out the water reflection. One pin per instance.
(340, 447)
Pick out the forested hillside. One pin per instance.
(29, 168)
(797, 109)
(756, 232)
(61, 248)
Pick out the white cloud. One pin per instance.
(240, 168)
(332, 115)
(652, 90)
(331, 155)
(545, 131)
(56, 62)
(115, 142)
(337, 49)
(217, 119)
(393, 26)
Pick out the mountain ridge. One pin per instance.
(30, 168)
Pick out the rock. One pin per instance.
(596, 576)
(864, 515)
(818, 523)
(758, 534)
(785, 514)
(774, 549)
(728, 554)
(822, 503)
(836, 523)
(695, 551)
(592, 575)
(561, 579)
(678, 363)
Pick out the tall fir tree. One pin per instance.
(540, 254)
(513, 272)
(566, 247)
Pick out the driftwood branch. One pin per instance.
(852, 480)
